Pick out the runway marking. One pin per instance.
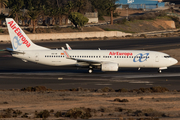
(148, 76)
(149, 84)
(60, 78)
(103, 84)
(140, 82)
(132, 81)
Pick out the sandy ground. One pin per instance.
(167, 103)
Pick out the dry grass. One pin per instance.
(102, 104)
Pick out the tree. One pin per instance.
(16, 6)
(60, 14)
(68, 8)
(33, 15)
(23, 18)
(78, 19)
(111, 7)
(100, 7)
(80, 5)
(3, 3)
(53, 13)
(2, 17)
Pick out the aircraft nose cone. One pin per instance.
(174, 61)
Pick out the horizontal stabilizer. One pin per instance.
(13, 52)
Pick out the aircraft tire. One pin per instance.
(90, 71)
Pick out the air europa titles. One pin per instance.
(19, 34)
(118, 53)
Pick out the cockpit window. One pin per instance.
(167, 56)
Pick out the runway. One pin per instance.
(16, 74)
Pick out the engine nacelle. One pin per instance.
(109, 67)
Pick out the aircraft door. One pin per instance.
(157, 58)
(36, 57)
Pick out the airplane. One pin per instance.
(106, 60)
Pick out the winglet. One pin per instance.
(68, 47)
(66, 54)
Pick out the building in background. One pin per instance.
(141, 4)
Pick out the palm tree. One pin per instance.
(15, 13)
(53, 14)
(44, 14)
(81, 6)
(16, 6)
(60, 14)
(3, 3)
(70, 7)
(33, 15)
(2, 17)
(23, 18)
(111, 7)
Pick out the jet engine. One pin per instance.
(109, 67)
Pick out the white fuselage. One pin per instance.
(124, 58)
(107, 60)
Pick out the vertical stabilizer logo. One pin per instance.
(22, 40)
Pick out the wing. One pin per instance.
(81, 60)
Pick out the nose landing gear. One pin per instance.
(161, 68)
(159, 71)
(90, 69)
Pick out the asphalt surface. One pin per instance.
(16, 74)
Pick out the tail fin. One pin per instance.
(19, 39)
